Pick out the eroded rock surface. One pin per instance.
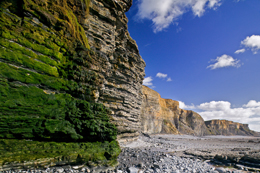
(225, 127)
(186, 153)
(164, 116)
(118, 64)
(160, 115)
(58, 61)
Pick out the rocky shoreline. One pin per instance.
(177, 154)
(147, 161)
(195, 154)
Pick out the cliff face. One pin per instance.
(225, 127)
(63, 63)
(164, 116)
(160, 115)
(52, 39)
(156, 117)
(118, 64)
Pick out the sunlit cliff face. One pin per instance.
(117, 63)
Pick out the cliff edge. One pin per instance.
(163, 116)
(227, 128)
(160, 115)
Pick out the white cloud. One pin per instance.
(252, 103)
(224, 61)
(214, 3)
(255, 126)
(240, 51)
(182, 105)
(161, 75)
(198, 7)
(169, 79)
(216, 106)
(148, 81)
(252, 42)
(165, 12)
(248, 114)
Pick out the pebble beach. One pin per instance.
(177, 154)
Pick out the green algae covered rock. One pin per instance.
(29, 154)
(30, 113)
(47, 109)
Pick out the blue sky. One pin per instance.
(204, 53)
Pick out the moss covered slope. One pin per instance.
(46, 86)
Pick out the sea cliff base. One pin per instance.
(185, 153)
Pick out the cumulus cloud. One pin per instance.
(248, 114)
(254, 126)
(252, 42)
(240, 51)
(182, 105)
(165, 12)
(214, 4)
(252, 103)
(216, 106)
(224, 61)
(161, 75)
(169, 79)
(199, 6)
(148, 81)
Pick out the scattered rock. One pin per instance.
(60, 170)
(240, 167)
(221, 170)
(132, 170)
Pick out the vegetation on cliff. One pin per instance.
(46, 87)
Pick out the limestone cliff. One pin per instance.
(160, 115)
(70, 81)
(164, 116)
(117, 63)
(226, 128)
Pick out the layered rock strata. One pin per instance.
(164, 116)
(160, 115)
(63, 63)
(117, 63)
(62, 33)
(225, 127)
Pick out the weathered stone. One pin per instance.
(132, 170)
(60, 170)
(160, 115)
(53, 41)
(221, 170)
(118, 64)
(225, 127)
